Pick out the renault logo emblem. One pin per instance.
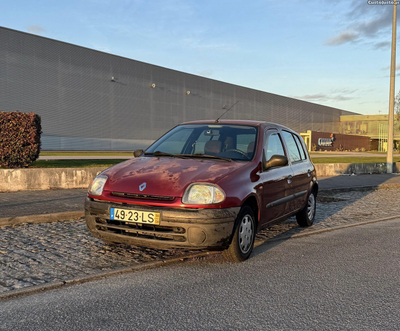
(142, 187)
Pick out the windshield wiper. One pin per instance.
(206, 156)
(159, 153)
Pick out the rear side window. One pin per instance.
(274, 146)
(301, 149)
(293, 149)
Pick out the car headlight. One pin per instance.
(203, 194)
(97, 186)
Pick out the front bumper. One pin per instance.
(179, 227)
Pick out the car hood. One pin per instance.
(165, 176)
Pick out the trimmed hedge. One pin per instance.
(19, 139)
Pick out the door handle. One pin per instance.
(289, 179)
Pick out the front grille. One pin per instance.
(143, 231)
(143, 196)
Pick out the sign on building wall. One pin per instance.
(331, 142)
(326, 142)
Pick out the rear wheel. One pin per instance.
(243, 239)
(306, 216)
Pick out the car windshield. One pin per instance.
(219, 141)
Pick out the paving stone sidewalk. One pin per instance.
(36, 254)
(22, 203)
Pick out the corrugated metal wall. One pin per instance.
(81, 108)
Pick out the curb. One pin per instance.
(151, 265)
(43, 218)
(69, 282)
(361, 188)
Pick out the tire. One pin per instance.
(306, 216)
(243, 238)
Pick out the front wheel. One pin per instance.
(306, 216)
(243, 239)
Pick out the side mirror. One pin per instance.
(276, 161)
(138, 152)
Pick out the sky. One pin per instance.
(335, 53)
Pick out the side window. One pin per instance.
(301, 148)
(273, 146)
(294, 153)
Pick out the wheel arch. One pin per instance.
(314, 188)
(252, 202)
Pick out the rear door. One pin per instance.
(301, 168)
(276, 181)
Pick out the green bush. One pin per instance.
(19, 139)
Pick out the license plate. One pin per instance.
(135, 216)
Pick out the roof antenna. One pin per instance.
(224, 107)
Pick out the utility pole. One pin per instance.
(389, 159)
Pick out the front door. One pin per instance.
(276, 182)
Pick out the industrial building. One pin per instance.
(91, 100)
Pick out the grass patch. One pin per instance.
(352, 159)
(86, 153)
(74, 163)
(327, 153)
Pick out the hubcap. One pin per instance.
(311, 207)
(246, 233)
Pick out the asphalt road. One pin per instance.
(341, 280)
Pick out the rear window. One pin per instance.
(301, 148)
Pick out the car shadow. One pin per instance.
(335, 196)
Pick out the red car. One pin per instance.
(205, 184)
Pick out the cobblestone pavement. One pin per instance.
(23, 203)
(36, 254)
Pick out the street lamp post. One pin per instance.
(389, 159)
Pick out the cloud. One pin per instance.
(342, 38)
(367, 22)
(315, 97)
(36, 29)
(340, 98)
(344, 91)
(388, 67)
(358, 8)
(323, 97)
(382, 45)
(371, 27)
(206, 73)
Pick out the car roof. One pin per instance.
(240, 122)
